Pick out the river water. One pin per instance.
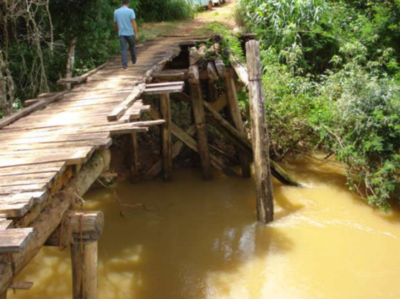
(199, 240)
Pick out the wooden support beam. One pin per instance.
(50, 218)
(84, 270)
(200, 121)
(134, 169)
(166, 139)
(77, 227)
(260, 138)
(240, 69)
(236, 117)
(21, 113)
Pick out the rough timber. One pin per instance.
(44, 146)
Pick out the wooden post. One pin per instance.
(3, 295)
(84, 270)
(134, 158)
(166, 139)
(236, 118)
(200, 121)
(260, 138)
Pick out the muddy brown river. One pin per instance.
(200, 240)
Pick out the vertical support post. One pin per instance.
(236, 118)
(134, 158)
(200, 121)
(260, 138)
(84, 270)
(3, 295)
(166, 139)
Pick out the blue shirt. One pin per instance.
(123, 17)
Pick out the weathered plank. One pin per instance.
(78, 157)
(14, 240)
(5, 223)
(35, 168)
(17, 205)
(163, 90)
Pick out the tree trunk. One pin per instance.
(6, 87)
(70, 60)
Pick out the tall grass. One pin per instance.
(166, 10)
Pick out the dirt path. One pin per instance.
(224, 14)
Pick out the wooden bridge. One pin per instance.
(52, 151)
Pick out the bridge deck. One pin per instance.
(37, 149)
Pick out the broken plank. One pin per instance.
(14, 240)
(165, 84)
(129, 100)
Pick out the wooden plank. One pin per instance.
(129, 100)
(161, 90)
(170, 75)
(58, 137)
(45, 177)
(43, 103)
(78, 157)
(35, 168)
(166, 138)
(23, 188)
(17, 205)
(14, 240)
(96, 143)
(44, 151)
(165, 84)
(5, 223)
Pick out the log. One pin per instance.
(199, 117)
(166, 139)
(212, 71)
(77, 227)
(84, 270)
(260, 138)
(50, 218)
(236, 117)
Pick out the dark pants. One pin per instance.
(130, 40)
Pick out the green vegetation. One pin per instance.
(331, 79)
(36, 37)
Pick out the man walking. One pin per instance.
(125, 25)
